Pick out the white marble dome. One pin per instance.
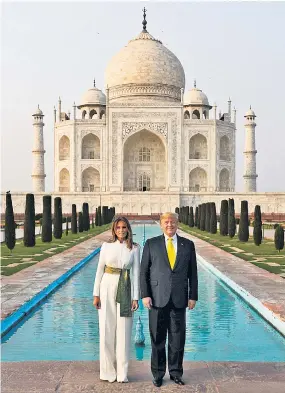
(250, 113)
(38, 112)
(144, 60)
(195, 97)
(93, 96)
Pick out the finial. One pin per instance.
(195, 83)
(74, 104)
(249, 106)
(59, 99)
(229, 100)
(38, 106)
(94, 83)
(144, 22)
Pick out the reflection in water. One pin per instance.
(220, 328)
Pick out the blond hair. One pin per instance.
(165, 215)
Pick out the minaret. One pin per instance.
(38, 174)
(250, 153)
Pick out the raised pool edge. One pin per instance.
(8, 323)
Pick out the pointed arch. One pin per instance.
(224, 180)
(84, 113)
(198, 147)
(64, 180)
(93, 114)
(90, 149)
(196, 114)
(198, 180)
(186, 115)
(225, 154)
(90, 180)
(64, 148)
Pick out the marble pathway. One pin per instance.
(200, 377)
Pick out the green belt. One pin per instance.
(124, 290)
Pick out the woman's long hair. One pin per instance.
(129, 238)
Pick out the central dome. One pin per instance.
(148, 65)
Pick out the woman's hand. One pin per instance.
(135, 305)
(97, 302)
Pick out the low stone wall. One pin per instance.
(147, 203)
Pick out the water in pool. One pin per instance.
(221, 328)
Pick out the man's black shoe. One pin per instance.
(177, 380)
(157, 382)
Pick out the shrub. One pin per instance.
(243, 232)
(73, 219)
(257, 229)
(66, 228)
(203, 217)
(213, 218)
(47, 220)
(191, 217)
(208, 217)
(196, 217)
(224, 218)
(279, 238)
(231, 218)
(10, 235)
(57, 226)
(29, 224)
(80, 222)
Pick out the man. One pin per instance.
(169, 284)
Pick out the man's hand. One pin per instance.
(97, 302)
(191, 304)
(147, 302)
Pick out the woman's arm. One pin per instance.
(100, 271)
(136, 273)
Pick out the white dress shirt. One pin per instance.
(174, 241)
(120, 256)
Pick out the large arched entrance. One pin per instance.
(144, 163)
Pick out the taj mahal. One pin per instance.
(146, 145)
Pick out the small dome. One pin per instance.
(250, 113)
(144, 60)
(93, 96)
(38, 112)
(195, 97)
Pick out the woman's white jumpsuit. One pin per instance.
(115, 331)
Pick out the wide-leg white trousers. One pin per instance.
(115, 333)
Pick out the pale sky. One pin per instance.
(234, 50)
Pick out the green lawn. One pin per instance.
(27, 256)
(261, 256)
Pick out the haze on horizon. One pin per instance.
(56, 49)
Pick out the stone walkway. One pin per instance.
(22, 286)
(200, 377)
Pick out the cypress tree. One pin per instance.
(243, 231)
(186, 215)
(47, 220)
(191, 217)
(57, 215)
(257, 229)
(213, 218)
(92, 222)
(29, 224)
(96, 217)
(199, 217)
(66, 227)
(104, 215)
(80, 222)
(73, 219)
(203, 217)
(279, 238)
(99, 216)
(224, 218)
(196, 217)
(10, 233)
(208, 217)
(231, 218)
(85, 218)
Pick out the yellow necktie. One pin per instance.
(171, 252)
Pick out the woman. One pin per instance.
(116, 294)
